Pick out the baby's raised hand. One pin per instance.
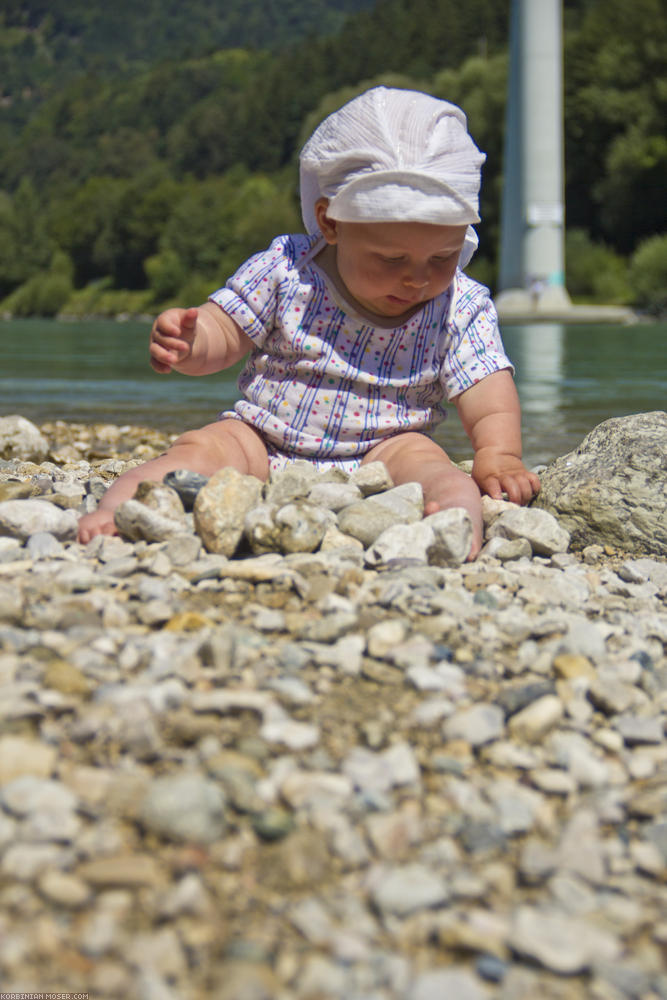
(172, 335)
(498, 473)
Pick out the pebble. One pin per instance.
(385, 773)
(184, 807)
(404, 889)
(560, 942)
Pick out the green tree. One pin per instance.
(45, 293)
(615, 109)
(25, 247)
(219, 222)
(84, 225)
(479, 87)
(648, 275)
(593, 271)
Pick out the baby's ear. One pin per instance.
(327, 226)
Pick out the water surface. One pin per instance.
(569, 379)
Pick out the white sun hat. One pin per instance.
(394, 155)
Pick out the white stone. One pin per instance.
(537, 719)
(539, 527)
(405, 889)
(304, 788)
(19, 756)
(477, 725)
(23, 518)
(184, 807)
(560, 942)
(20, 439)
(448, 984)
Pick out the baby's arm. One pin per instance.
(196, 341)
(491, 417)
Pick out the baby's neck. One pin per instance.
(326, 261)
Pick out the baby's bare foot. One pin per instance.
(100, 522)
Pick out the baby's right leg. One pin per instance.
(225, 443)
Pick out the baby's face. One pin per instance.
(392, 267)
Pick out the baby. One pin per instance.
(356, 334)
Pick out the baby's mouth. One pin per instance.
(401, 301)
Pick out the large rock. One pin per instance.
(155, 513)
(541, 529)
(367, 519)
(294, 527)
(19, 438)
(221, 507)
(23, 518)
(442, 539)
(612, 490)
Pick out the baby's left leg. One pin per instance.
(412, 457)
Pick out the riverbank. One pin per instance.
(311, 775)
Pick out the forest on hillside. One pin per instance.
(145, 150)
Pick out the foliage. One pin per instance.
(615, 110)
(44, 42)
(99, 298)
(648, 274)
(24, 244)
(594, 272)
(43, 294)
(155, 145)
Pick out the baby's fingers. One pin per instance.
(492, 485)
(189, 323)
(167, 352)
(178, 324)
(520, 488)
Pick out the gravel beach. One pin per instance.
(352, 772)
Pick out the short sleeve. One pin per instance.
(474, 347)
(251, 295)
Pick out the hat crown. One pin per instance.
(393, 155)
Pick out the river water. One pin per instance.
(569, 379)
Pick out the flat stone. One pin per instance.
(371, 478)
(637, 729)
(64, 889)
(439, 984)
(23, 518)
(442, 539)
(408, 888)
(477, 725)
(541, 529)
(367, 519)
(559, 942)
(20, 756)
(135, 520)
(122, 871)
(184, 807)
(534, 721)
(334, 496)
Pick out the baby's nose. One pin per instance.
(416, 276)
(416, 280)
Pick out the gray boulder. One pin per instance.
(155, 513)
(442, 539)
(23, 518)
(221, 507)
(20, 439)
(612, 489)
(367, 519)
(295, 527)
(540, 528)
